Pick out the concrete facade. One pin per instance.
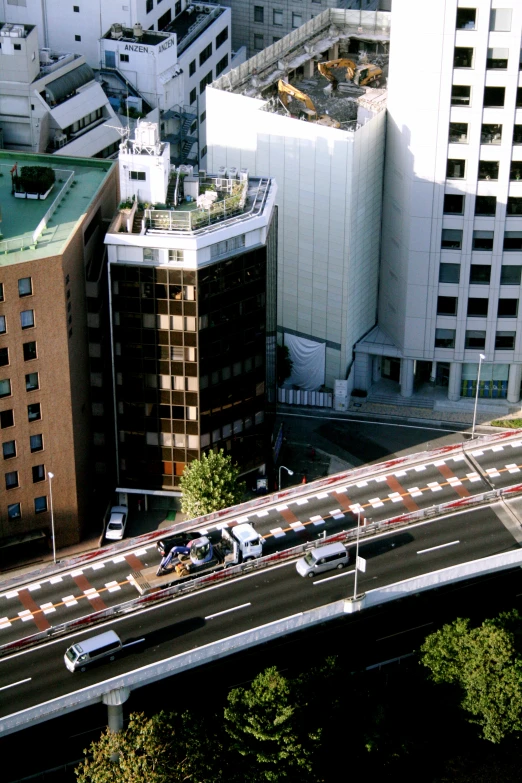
(452, 223)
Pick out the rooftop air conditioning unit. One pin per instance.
(243, 175)
(232, 172)
(17, 31)
(117, 30)
(45, 56)
(222, 171)
(6, 29)
(200, 9)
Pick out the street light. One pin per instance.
(481, 357)
(290, 473)
(51, 476)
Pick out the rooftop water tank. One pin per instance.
(138, 31)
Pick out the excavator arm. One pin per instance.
(326, 68)
(286, 89)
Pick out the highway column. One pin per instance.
(115, 700)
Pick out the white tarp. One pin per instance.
(308, 359)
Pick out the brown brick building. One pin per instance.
(48, 252)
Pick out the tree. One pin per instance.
(284, 364)
(166, 748)
(485, 664)
(210, 484)
(264, 722)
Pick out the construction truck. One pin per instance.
(362, 75)
(308, 109)
(201, 556)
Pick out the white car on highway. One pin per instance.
(116, 524)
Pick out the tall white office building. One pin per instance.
(451, 259)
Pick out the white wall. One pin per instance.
(329, 184)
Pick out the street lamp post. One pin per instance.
(481, 357)
(51, 476)
(290, 473)
(357, 554)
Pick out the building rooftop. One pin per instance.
(34, 229)
(17, 30)
(128, 35)
(224, 199)
(192, 22)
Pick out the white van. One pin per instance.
(80, 655)
(322, 558)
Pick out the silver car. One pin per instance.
(323, 558)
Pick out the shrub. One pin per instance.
(34, 179)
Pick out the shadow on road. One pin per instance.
(383, 545)
(162, 635)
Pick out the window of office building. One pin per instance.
(5, 387)
(514, 205)
(222, 64)
(477, 307)
(463, 57)
(447, 305)
(206, 80)
(482, 240)
(277, 18)
(488, 169)
(497, 59)
(259, 42)
(3, 327)
(480, 274)
(500, 20)
(297, 20)
(517, 134)
(6, 419)
(505, 341)
(192, 96)
(449, 273)
(38, 473)
(1, 292)
(259, 14)
(494, 96)
(515, 171)
(11, 479)
(458, 132)
(486, 205)
(31, 381)
(453, 204)
(491, 134)
(36, 443)
(460, 95)
(475, 339)
(27, 319)
(25, 286)
(205, 54)
(466, 18)
(34, 412)
(444, 338)
(192, 68)
(165, 19)
(513, 240)
(29, 351)
(222, 37)
(140, 176)
(451, 239)
(14, 511)
(4, 357)
(456, 168)
(9, 449)
(40, 504)
(510, 275)
(149, 5)
(507, 308)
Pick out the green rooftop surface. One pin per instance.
(20, 217)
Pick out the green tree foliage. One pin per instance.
(284, 364)
(485, 664)
(265, 723)
(210, 484)
(166, 748)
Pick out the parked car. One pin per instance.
(178, 539)
(116, 524)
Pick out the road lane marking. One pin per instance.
(277, 532)
(13, 684)
(440, 546)
(382, 638)
(329, 578)
(226, 611)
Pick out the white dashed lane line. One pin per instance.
(440, 546)
(69, 600)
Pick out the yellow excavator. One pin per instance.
(362, 75)
(285, 89)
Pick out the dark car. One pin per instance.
(178, 539)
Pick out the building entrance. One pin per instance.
(443, 372)
(391, 368)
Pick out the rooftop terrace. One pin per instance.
(34, 229)
(223, 199)
(191, 22)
